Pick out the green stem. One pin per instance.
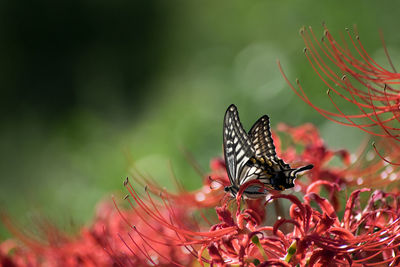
(256, 242)
(291, 251)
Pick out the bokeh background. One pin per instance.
(87, 87)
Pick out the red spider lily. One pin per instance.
(315, 152)
(356, 78)
(362, 170)
(95, 246)
(318, 235)
(352, 76)
(110, 241)
(165, 229)
(359, 238)
(226, 242)
(317, 238)
(209, 195)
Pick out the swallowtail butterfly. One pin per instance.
(252, 155)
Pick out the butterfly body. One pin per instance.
(251, 156)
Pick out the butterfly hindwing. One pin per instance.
(262, 142)
(261, 138)
(237, 146)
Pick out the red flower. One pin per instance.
(352, 76)
(317, 236)
(165, 229)
(314, 151)
(356, 78)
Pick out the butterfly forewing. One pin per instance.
(237, 146)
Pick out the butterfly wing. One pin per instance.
(237, 146)
(277, 173)
(261, 139)
(262, 142)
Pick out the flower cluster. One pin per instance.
(105, 243)
(356, 78)
(313, 234)
(353, 77)
(164, 229)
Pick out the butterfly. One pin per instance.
(252, 155)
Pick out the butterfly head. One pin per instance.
(233, 190)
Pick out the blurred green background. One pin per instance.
(83, 83)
